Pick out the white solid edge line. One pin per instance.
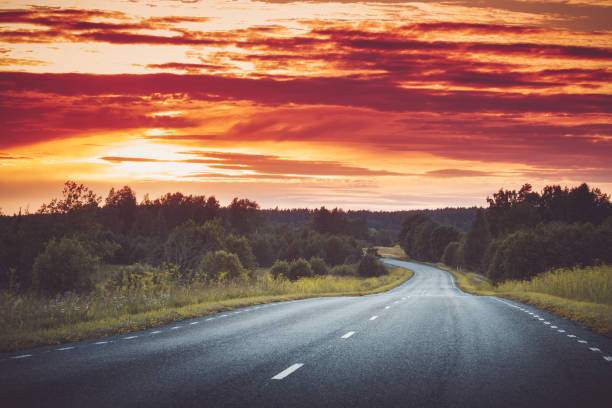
(22, 356)
(347, 335)
(373, 317)
(287, 371)
(65, 348)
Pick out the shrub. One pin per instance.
(221, 264)
(344, 270)
(280, 269)
(318, 266)
(370, 266)
(299, 269)
(64, 265)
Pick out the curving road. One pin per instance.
(423, 344)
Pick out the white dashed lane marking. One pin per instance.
(192, 323)
(129, 338)
(210, 318)
(571, 336)
(595, 349)
(101, 342)
(582, 341)
(387, 307)
(373, 317)
(65, 348)
(287, 371)
(607, 358)
(156, 332)
(347, 335)
(175, 327)
(22, 356)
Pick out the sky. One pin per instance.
(362, 105)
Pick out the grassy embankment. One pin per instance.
(583, 295)
(29, 320)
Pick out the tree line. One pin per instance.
(521, 234)
(63, 245)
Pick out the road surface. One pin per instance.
(423, 344)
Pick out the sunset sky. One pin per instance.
(377, 105)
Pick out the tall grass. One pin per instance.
(590, 284)
(140, 296)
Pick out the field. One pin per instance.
(135, 304)
(583, 295)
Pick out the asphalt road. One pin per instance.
(423, 344)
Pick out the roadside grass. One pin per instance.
(30, 320)
(583, 295)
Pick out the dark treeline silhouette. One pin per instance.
(460, 218)
(65, 242)
(520, 234)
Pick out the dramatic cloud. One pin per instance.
(259, 166)
(430, 96)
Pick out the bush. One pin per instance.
(318, 266)
(280, 269)
(299, 269)
(370, 267)
(221, 264)
(64, 265)
(344, 270)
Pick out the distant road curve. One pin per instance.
(422, 344)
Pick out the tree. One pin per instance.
(451, 253)
(476, 241)
(408, 232)
(370, 266)
(188, 243)
(280, 269)
(318, 266)
(441, 236)
(63, 265)
(299, 268)
(240, 246)
(243, 215)
(263, 251)
(222, 265)
(77, 197)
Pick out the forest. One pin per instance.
(521, 234)
(79, 240)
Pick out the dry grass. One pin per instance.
(580, 295)
(392, 252)
(29, 320)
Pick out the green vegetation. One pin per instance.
(583, 295)
(76, 269)
(137, 297)
(521, 234)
